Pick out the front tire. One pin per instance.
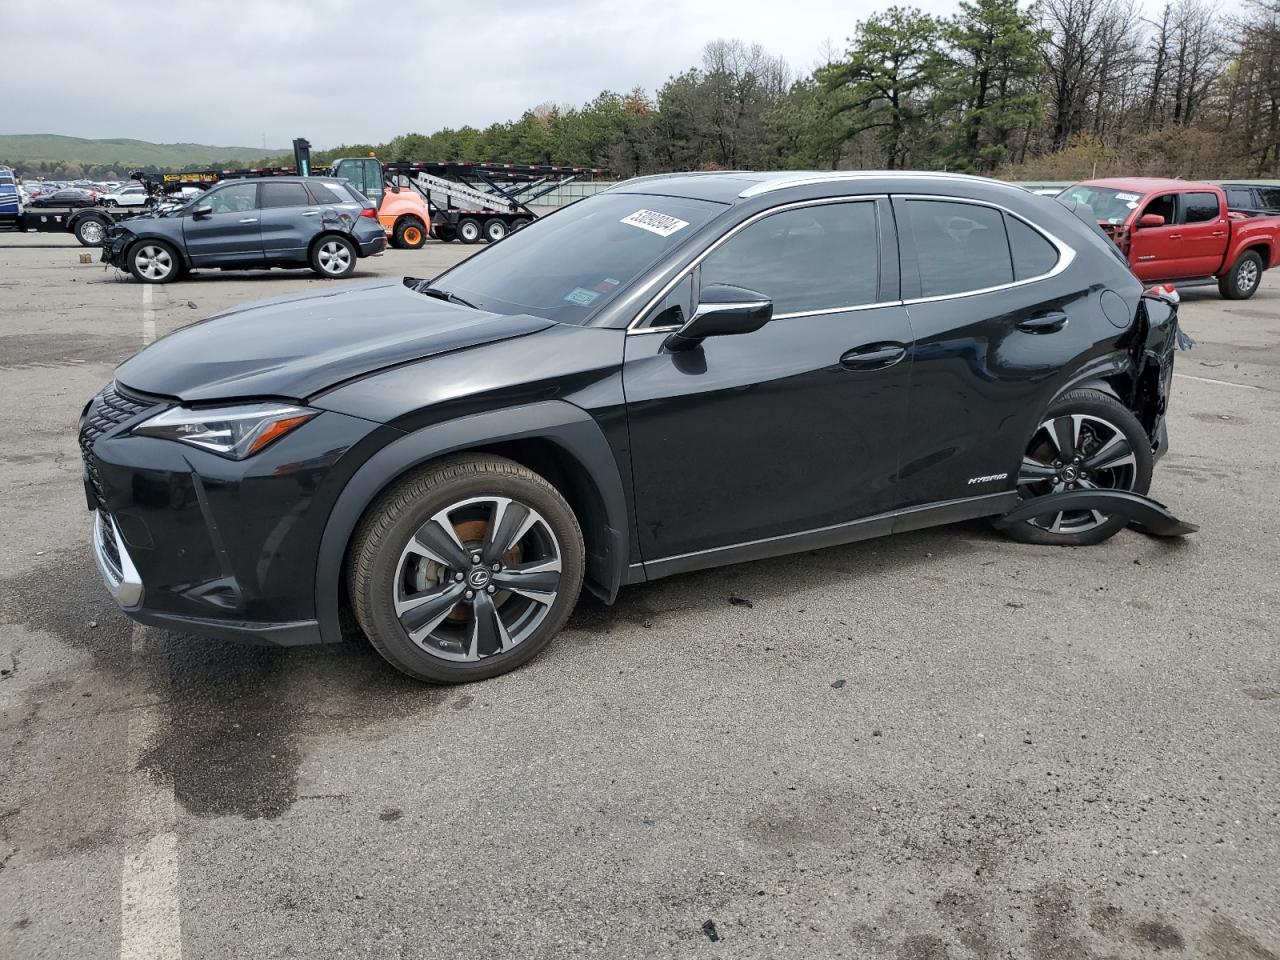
(1244, 278)
(409, 233)
(154, 261)
(333, 257)
(465, 569)
(1086, 440)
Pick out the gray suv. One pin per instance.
(289, 222)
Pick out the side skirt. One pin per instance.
(897, 521)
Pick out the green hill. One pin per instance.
(30, 149)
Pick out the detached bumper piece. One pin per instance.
(1147, 515)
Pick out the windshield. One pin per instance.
(569, 264)
(1113, 206)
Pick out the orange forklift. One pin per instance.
(469, 202)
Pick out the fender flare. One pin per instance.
(1148, 515)
(569, 427)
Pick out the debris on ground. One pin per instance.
(709, 928)
(837, 684)
(741, 602)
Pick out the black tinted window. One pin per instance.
(1033, 255)
(284, 195)
(812, 258)
(1240, 198)
(1200, 207)
(959, 246)
(328, 193)
(1270, 197)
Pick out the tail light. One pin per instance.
(1163, 291)
(369, 212)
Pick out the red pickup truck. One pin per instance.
(1179, 231)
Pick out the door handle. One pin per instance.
(874, 356)
(249, 220)
(311, 213)
(1044, 322)
(1175, 236)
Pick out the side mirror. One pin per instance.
(1150, 220)
(722, 310)
(202, 211)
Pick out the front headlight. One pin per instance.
(236, 432)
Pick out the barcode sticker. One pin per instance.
(660, 223)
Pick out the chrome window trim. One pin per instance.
(633, 328)
(853, 176)
(1066, 253)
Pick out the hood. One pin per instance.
(294, 347)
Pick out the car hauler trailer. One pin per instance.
(453, 200)
(88, 224)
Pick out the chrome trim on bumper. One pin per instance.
(123, 582)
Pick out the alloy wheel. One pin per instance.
(153, 262)
(477, 579)
(1247, 276)
(335, 257)
(92, 232)
(1076, 452)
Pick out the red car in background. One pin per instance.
(1183, 232)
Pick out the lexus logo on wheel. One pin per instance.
(478, 578)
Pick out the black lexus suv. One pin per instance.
(682, 372)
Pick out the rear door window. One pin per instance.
(284, 195)
(960, 247)
(1199, 207)
(1240, 198)
(328, 193)
(1270, 197)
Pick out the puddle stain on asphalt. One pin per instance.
(28, 350)
(238, 716)
(234, 716)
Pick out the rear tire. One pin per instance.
(495, 229)
(333, 257)
(469, 230)
(1244, 278)
(424, 601)
(1113, 453)
(409, 233)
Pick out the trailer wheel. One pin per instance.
(469, 230)
(91, 231)
(495, 229)
(519, 223)
(445, 232)
(409, 233)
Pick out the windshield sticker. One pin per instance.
(607, 285)
(581, 297)
(659, 223)
(1128, 196)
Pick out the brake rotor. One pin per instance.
(472, 534)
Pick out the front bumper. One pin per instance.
(200, 544)
(114, 245)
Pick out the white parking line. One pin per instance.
(150, 911)
(150, 914)
(1224, 383)
(148, 315)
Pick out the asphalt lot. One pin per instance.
(942, 745)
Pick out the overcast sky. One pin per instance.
(231, 72)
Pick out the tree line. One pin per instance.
(1059, 89)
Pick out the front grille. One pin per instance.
(106, 411)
